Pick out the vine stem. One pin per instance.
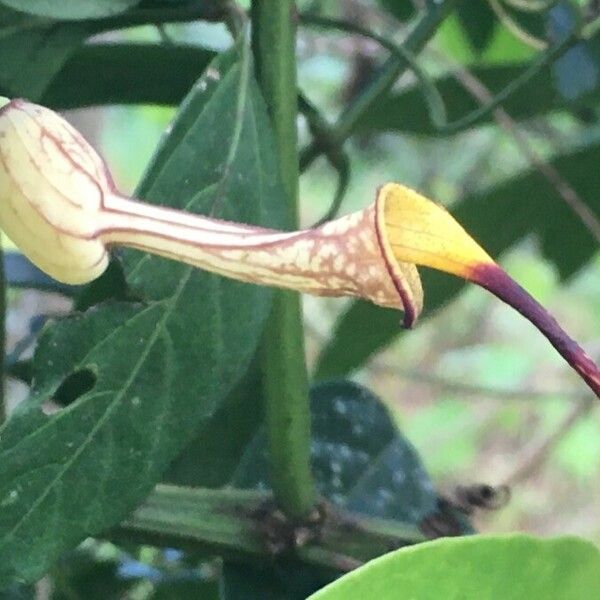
(540, 450)
(285, 380)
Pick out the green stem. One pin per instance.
(240, 524)
(285, 382)
(385, 79)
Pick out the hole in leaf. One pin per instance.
(487, 492)
(74, 386)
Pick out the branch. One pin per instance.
(246, 525)
(513, 27)
(468, 389)
(540, 450)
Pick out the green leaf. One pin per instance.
(157, 368)
(18, 592)
(406, 111)
(212, 458)
(478, 22)
(497, 218)
(33, 50)
(111, 285)
(185, 589)
(482, 568)
(143, 73)
(83, 575)
(401, 9)
(138, 74)
(71, 9)
(360, 462)
(359, 459)
(286, 581)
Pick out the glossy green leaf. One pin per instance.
(361, 462)
(497, 218)
(156, 369)
(71, 9)
(477, 568)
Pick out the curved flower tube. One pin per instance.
(58, 203)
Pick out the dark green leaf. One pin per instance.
(186, 590)
(360, 462)
(138, 74)
(71, 9)
(82, 575)
(18, 592)
(497, 218)
(111, 285)
(211, 459)
(285, 581)
(359, 459)
(159, 367)
(143, 73)
(478, 22)
(33, 50)
(401, 9)
(405, 110)
(482, 567)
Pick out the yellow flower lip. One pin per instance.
(59, 205)
(424, 233)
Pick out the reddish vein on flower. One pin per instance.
(59, 205)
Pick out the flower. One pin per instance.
(58, 203)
